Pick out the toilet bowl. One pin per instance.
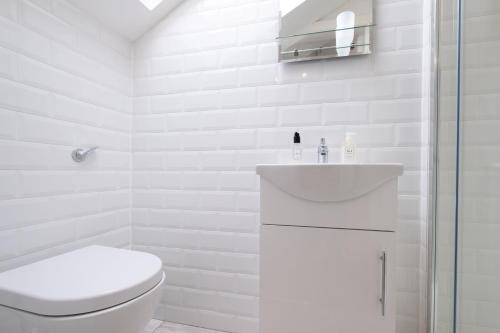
(96, 289)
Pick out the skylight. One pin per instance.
(151, 4)
(288, 5)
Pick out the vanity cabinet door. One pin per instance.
(319, 280)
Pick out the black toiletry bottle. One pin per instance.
(296, 148)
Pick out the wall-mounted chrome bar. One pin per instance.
(323, 48)
(79, 155)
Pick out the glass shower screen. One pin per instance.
(467, 217)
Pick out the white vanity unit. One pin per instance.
(328, 248)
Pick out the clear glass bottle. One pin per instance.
(296, 148)
(323, 152)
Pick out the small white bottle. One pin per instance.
(296, 148)
(349, 148)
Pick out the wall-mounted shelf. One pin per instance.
(320, 29)
(325, 31)
(323, 44)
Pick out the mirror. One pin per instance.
(320, 29)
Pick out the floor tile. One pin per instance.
(156, 326)
(152, 326)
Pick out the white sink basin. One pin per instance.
(329, 182)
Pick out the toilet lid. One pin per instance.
(82, 281)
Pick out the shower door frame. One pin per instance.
(433, 167)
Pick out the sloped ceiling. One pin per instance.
(129, 18)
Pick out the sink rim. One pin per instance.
(324, 187)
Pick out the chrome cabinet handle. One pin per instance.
(382, 299)
(80, 154)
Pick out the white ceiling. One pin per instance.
(129, 18)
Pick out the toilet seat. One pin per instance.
(83, 281)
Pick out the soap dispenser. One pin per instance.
(296, 148)
(349, 148)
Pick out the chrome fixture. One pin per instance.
(323, 152)
(383, 258)
(79, 155)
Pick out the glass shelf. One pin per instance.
(323, 44)
(325, 31)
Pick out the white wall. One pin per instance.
(65, 82)
(211, 102)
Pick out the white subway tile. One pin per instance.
(164, 65)
(401, 110)
(9, 123)
(258, 75)
(238, 181)
(236, 139)
(21, 212)
(8, 9)
(373, 89)
(8, 64)
(259, 117)
(20, 97)
(167, 103)
(20, 39)
(268, 53)
(199, 180)
(239, 56)
(238, 98)
(278, 95)
(164, 142)
(47, 235)
(9, 244)
(301, 115)
(42, 22)
(220, 160)
(227, 78)
(39, 183)
(258, 32)
(9, 184)
(400, 13)
(182, 121)
(399, 62)
(339, 113)
(217, 39)
(37, 129)
(200, 141)
(182, 161)
(409, 135)
(23, 156)
(410, 37)
(149, 124)
(204, 100)
(323, 92)
(201, 61)
(218, 119)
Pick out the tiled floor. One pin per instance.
(157, 326)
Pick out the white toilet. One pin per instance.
(96, 289)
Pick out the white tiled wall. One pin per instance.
(65, 82)
(211, 102)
